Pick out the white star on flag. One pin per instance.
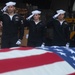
(73, 57)
(74, 64)
(62, 53)
(58, 50)
(55, 46)
(70, 50)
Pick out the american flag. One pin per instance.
(52, 60)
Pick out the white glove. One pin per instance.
(18, 42)
(67, 45)
(55, 16)
(43, 45)
(28, 18)
(27, 35)
(4, 9)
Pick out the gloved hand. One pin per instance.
(43, 45)
(67, 45)
(4, 9)
(18, 42)
(55, 16)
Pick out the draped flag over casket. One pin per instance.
(37, 61)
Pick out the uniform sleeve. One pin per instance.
(26, 23)
(67, 33)
(1, 13)
(21, 28)
(44, 29)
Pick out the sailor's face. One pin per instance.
(61, 16)
(36, 17)
(11, 9)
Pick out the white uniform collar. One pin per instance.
(37, 22)
(11, 16)
(61, 22)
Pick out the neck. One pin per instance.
(37, 20)
(12, 13)
(60, 19)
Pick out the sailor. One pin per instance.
(60, 28)
(12, 26)
(36, 29)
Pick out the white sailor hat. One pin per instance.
(36, 12)
(59, 12)
(8, 4)
(33, 13)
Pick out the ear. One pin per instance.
(14, 8)
(39, 15)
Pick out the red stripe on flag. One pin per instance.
(28, 62)
(72, 74)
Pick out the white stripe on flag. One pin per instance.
(59, 68)
(20, 53)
